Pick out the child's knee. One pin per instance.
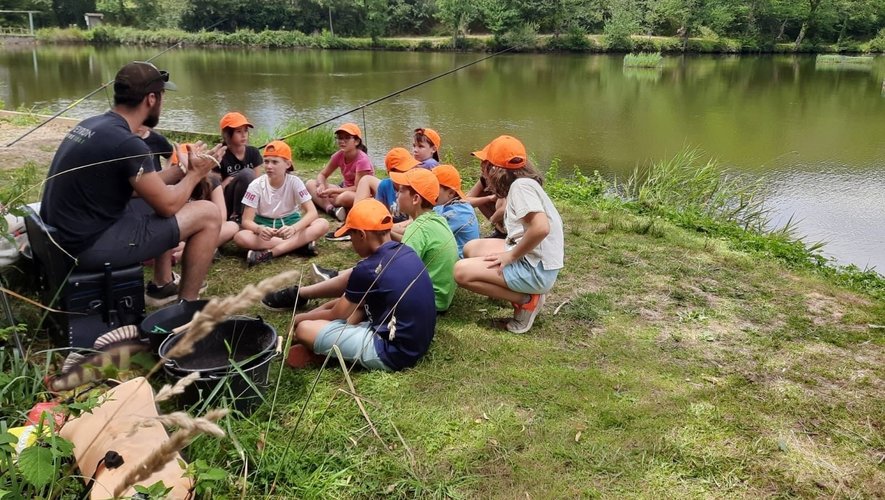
(461, 270)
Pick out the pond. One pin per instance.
(815, 132)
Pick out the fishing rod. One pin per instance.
(393, 94)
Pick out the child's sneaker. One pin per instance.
(323, 273)
(331, 236)
(157, 296)
(309, 250)
(524, 314)
(254, 257)
(284, 300)
(302, 357)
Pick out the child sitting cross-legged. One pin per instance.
(385, 318)
(273, 222)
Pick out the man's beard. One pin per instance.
(153, 117)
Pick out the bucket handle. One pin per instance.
(279, 344)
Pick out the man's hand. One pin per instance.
(202, 160)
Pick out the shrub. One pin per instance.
(523, 38)
(643, 60)
(575, 40)
(877, 44)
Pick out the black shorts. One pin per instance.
(140, 234)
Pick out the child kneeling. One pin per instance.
(386, 318)
(272, 223)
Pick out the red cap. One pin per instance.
(278, 148)
(350, 128)
(430, 134)
(421, 180)
(234, 120)
(448, 176)
(399, 160)
(504, 152)
(367, 215)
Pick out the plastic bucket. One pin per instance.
(158, 324)
(233, 361)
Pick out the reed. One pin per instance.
(841, 59)
(644, 60)
(308, 145)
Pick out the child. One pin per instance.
(425, 147)
(425, 144)
(453, 208)
(524, 267)
(272, 223)
(238, 164)
(396, 160)
(385, 319)
(354, 163)
(429, 236)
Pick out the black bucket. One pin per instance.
(158, 324)
(237, 353)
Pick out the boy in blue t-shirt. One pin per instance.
(386, 318)
(452, 205)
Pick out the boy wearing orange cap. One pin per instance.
(279, 216)
(523, 268)
(427, 233)
(239, 162)
(396, 160)
(425, 147)
(450, 204)
(385, 319)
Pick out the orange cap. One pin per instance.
(350, 128)
(421, 180)
(234, 120)
(448, 176)
(367, 215)
(430, 134)
(399, 160)
(174, 158)
(504, 152)
(278, 148)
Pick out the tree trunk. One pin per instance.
(780, 34)
(331, 31)
(842, 31)
(801, 34)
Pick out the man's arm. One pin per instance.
(168, 200)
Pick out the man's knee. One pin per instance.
(198, 215)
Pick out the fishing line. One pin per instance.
(392, 94)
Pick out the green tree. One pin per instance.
(623, 21)
(456, 15)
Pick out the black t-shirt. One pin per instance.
(230, 164)
(160, 146)
(83, 203)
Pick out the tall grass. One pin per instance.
(840, 59)
(312, 144)
(644, 60)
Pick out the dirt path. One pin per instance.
(38, 147)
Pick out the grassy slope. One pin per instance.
(675, 367)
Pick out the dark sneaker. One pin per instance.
(284, 300)
(497, 234)
(331, 236)
(176, 278)
(309, 250)
(323, 273)
(157, 296)
(254, 257)
(524, 314)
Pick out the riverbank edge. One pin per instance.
(544, 43)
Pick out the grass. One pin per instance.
(313, 144)
(644, 60)
(841, 59)
(681, 354)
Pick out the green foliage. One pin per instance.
(575, 40)
(521, 39)
(877, 44)
(207, 478)
(577, 188)
(644, 60)
(157, 490)
(620, 25)
(317, 143)
(839, 59)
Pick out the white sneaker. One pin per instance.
(341, 214)
(525, 314)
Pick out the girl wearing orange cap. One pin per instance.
(239, 162)
(279, 216)
(425, 147)
(354, 163)
(524, 267)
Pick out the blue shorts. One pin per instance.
(356, 342)
(523, 277)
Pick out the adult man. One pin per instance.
(89, 190)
